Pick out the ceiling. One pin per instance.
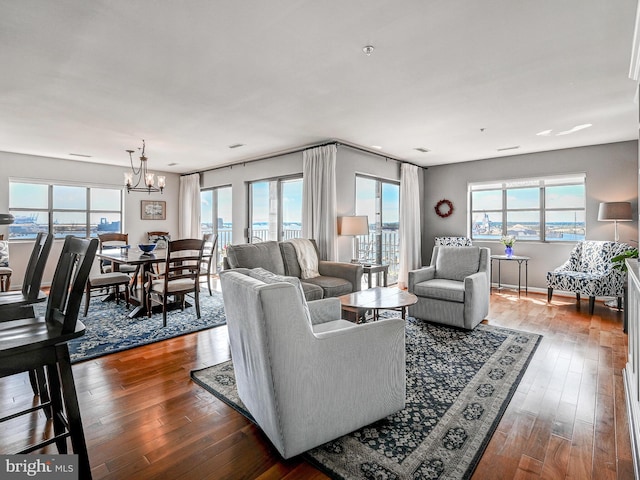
(462, 79)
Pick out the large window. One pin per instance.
(379, 200)
(276, 209)
(217, 218)
(549, 209)
(63, 210)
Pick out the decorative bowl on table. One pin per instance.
(147, 247)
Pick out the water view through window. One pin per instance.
(549, 211)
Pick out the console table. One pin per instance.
(514, 258)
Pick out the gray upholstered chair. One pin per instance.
(454, 289)
(305, 375)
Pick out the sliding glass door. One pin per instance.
(380, 200)
(275, 209)
(217, 218)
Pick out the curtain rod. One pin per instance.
(281, 153)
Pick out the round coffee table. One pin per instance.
(376, 299)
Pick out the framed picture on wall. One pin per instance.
(153, 210)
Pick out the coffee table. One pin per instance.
(376, 299)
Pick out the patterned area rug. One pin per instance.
(459, 384)
(109, 328)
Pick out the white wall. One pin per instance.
(31, 167)
(349, 162)
(611, 176)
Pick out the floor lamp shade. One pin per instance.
(615, 212)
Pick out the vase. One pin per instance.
(508, 251)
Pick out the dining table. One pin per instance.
(127, 255)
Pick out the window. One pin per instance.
(380, 201)
(550, 209)
(63, 210)
(217, 218)
(275, 209)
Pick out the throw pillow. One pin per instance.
(4, 253)
(269, 277)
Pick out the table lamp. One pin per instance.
(354, 225)
(616, 212)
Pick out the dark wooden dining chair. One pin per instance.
(19, 304)
(108, 279)
(208, 256)
(181, 276)
(31, 343)
(5, 270)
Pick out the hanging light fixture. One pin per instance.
(142, 175)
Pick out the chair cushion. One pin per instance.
(456, 263)
(114, 278)
(442, 289)
(4, 253)
(270, 277)
(312, 292)
(253, 255)
(331, 286)
(6, 271)
(173, 285)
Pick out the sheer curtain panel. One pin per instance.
(189, 221)
(410, 238)
(319, 219)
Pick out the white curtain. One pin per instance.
(410, 238)
(189, 205)
(319, 199)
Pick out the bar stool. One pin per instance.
(31, 343)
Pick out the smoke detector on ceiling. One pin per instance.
(368, 49)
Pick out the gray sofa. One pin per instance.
(305, 375)
(336, 278)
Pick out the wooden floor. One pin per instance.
(145, 419)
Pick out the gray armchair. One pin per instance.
(305, 375)
(454, 289)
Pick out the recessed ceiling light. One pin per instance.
(236, 145)
(577, 128)
(377, 147)
(422, 149)
(544, 133)
(515, 147)
(80, 155)
(172, 164)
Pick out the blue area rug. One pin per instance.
(459, 384)
(109, 329)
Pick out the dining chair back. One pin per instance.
(31, 343)
(181, 276)
(5, 270)
(208, 256)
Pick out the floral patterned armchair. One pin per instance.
(453, 241)
(589, 271)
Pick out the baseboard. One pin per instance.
(633, 412)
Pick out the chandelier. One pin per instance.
(141, 175)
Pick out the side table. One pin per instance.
(377, 269)
(514, 258)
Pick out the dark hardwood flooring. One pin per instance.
(145, 419)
